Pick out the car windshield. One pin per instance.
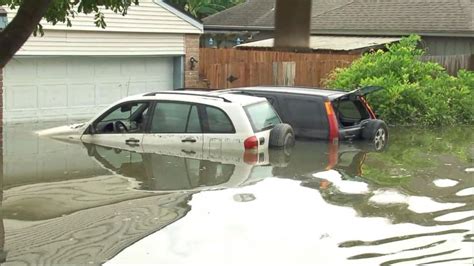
(262, 116)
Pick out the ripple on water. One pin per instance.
(388, 196)
(466, 192)
(445, 182)
(344, 186)
(425, 205)
(416, 204)
(455, 216)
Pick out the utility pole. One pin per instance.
(292, 23)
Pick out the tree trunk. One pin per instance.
(21, 27)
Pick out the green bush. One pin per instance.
(416, 92)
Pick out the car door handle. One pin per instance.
(188, 152)
(132, 142)
(191, 140)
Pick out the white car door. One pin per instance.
(122, 126)
(175, 129)
(219, 133)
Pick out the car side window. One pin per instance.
(171, 117)
(194, 123)
(218, 121)
(125, 118)
(304, 113)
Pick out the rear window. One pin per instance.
(262, 116)
(348, 109)
(350, 112)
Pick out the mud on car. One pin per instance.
(325, 114)
(186, 122)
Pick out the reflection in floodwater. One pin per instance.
(432, 191)
(84, 204)
(168, 173)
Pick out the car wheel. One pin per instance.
(279, 157)
(282, 136)
(376, 133)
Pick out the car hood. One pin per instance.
(70, 133)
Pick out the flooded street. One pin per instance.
(71, 203)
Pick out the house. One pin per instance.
(446, 26)
(74, 72)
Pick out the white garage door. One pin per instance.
(62, 88)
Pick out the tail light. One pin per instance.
(367, 106)
(250, 157)
(333, 127)
(251, 143)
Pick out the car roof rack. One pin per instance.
(188, 94)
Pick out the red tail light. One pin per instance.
(250, 157)
(333, 127)
(251, 143)
(367, 106)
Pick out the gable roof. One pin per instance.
(360, 17)
(257, 14)
(396, 17)
(181, 13)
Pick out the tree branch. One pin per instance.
(21, 27)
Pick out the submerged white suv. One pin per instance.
(189, 121)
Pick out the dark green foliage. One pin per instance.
(416, 92)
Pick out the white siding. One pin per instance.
(147, 17)
(69, 87)
(64, 42)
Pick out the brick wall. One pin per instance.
(191, 75)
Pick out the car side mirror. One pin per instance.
(92, 129)
(126, 108)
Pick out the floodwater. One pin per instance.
(318, 203)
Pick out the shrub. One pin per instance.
(416, 92)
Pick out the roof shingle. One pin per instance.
(356, 17)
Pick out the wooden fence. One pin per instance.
(230, 68)
(453, 63)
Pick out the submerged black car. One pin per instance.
(325, 114)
